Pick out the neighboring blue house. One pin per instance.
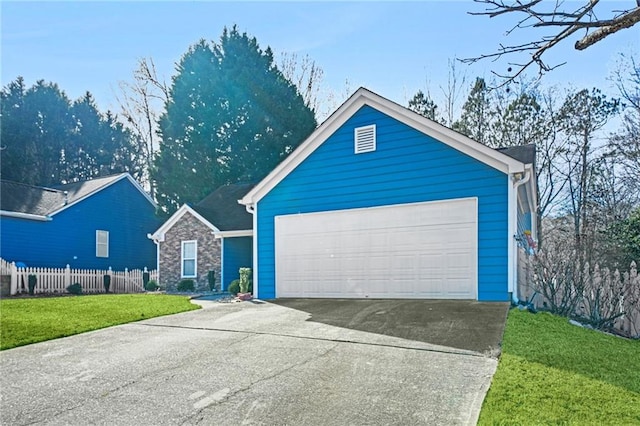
(215, 235)
(94, 224)
(381, 202)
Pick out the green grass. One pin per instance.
(552, 372)
(25, 321)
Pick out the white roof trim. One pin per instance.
(233, 234)
(118, 179)
(361, 97)
(27, 216)
(160, 233)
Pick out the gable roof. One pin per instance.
(493, 158)
(219, 211)
(30, 201)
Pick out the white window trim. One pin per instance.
(356, 133)
(195, 259)
(101, 244)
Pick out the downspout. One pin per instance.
(156, 241)
(514, 249)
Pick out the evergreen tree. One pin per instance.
(424, 105)
(475, 121)
(231, 116)
(48, 140)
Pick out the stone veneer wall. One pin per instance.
(186, 229)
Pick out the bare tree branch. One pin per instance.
(539, 14)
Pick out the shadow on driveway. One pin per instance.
(470, 325)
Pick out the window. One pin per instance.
(189, 258)
(102, 243)
(365, 139)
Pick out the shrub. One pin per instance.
(75, 288)
(234, 287)
(32, 284)
(186, 285)
(151, 286)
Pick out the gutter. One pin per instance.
(27, 216)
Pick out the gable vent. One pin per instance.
(365, 139)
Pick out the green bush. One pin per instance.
(75, 288)
(234, 287)
(186, 285)
(151, 286)
(32, 284)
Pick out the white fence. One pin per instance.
(56, 281)
(588, 292)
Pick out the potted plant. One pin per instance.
(245, 284)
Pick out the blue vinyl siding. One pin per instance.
(70, 237)
(238, 253)
(407, 167)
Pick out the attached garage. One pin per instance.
(417, 250)
(381, 202)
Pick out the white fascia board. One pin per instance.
(233, 234)
(118, 179)
(27, 216)
(362, 97)
(160, 233)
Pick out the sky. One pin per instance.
(392, 48)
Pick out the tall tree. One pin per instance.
(231, 116)
(48, 140)
(626, 142)
(475, 120)
(582, 115)
(424, 105)
(141, 101)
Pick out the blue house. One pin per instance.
(214, 236)
(381, 202)
(95, 224)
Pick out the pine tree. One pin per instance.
(424, 105)
(475, 121)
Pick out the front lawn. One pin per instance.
(552, 372)
(25, 321)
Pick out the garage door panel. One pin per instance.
(425, 250)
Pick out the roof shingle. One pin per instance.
(221, 208)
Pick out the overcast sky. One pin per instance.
(392, 48)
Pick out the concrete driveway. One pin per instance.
(245, 363)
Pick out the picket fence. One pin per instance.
(610, 292)
(56, 280)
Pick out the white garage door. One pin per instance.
(421, 250)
